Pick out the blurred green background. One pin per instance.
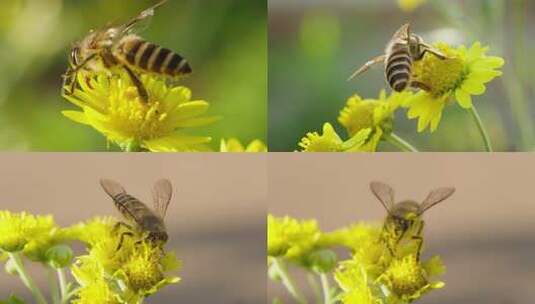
(224, 41)
(315, 45)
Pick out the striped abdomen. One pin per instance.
(131, 207)
(151, 58)
(398, 67)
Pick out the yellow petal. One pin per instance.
(473, 86)
(484, 75)
(177, 142)
(196, 122)
(256, 146)
(463, 98)
(76, 116)
(231, 145)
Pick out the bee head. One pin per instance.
(158, 238)
(402, 223)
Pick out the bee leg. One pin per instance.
(119, 224)
(418, 238)
(420, 85)
(367, 66)
(139, 85)
(121, 240)
(428, 48)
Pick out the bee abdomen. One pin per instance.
(126, 204)
(398, 70)
(153, 58)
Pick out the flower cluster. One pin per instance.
(371, 275)
(462, 74)
(366, 122)
(31, 235)
(106, 274)
(119, 268)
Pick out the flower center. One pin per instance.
(357, 115)
(440, 76)
(406, 277)
(136, 118)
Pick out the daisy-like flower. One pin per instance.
(463, 74)
(407, 280)
(410, 5)
(330, 141)
(112, 106)
(234, 145)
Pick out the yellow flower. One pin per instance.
(91, 231)
(112, 106)
(352, 237)
(143, 268)
(410, 5)
(407, 279)
(291, 238)
(138, 265)
(464, 73)
(352, 278)
(97, 292)
(33, 235)
(373, 114)
(234, 145)
(330, 141)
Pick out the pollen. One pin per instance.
(406, 277)
(440, 76)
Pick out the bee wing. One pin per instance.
(135, 24)
(384, 193)
(436, 196)
(111, 187)
(161, 194)
(404, 32)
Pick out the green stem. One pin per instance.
(54, 289)
(326, 289)
(26, 279)
(70, 294)
(62, 285)
(315, 287)
(481, 127)
(288, 282)
(399, 142)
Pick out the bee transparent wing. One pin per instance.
(161, 194)
(112, 188)
(403, 32)
(384, 193)
(140, 22)
(436, 196)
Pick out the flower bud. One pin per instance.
(323, 260)
(59, 256)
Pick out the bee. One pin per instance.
(142, 219)
(401, 51)
(116, 46)
(404, 220)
